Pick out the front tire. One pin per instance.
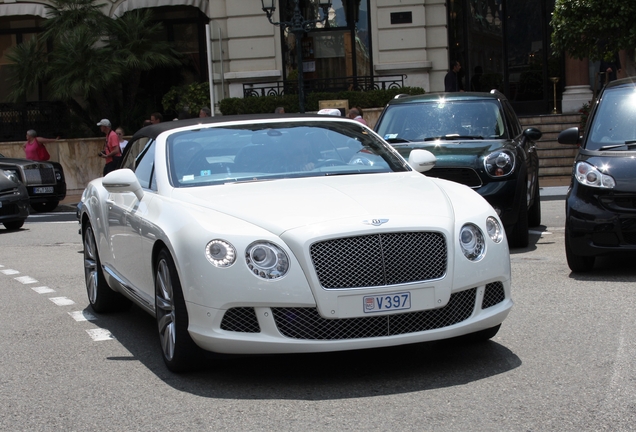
(534, 213)
(179, 351)
(12, 226)
(577, 263)
(101, 297)
(518, 236)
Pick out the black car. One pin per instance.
(600, 206)
(14, 201)
(44, 181)
(478, 141)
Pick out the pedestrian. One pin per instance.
(156, 118)
(452, 81)
(111, 152)
(279, 110)
(34, 148)
(120, 136)
(205, 112)
(608, 70)
(356, 114)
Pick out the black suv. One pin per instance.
(478, 141)
(44, 181)
(600, 206)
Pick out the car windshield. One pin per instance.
(614, 124)
(267, 151)
(442, 120)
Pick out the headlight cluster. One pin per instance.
(264, 259)
(588, 175)
(500, 163)
(472, 240)
(11, 175)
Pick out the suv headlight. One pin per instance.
(499, 163)
(266, 260)
(589, 175)
(11, 175)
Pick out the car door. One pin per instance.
(127, 221)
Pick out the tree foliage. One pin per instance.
(90, 61)
(594, 29)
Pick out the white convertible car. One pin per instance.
(288, 234)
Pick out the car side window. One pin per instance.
(145, 164)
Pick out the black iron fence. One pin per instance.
(48, 119)
(329, 85)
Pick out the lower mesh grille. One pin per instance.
(493, 295)
(240, 319)
(306, 323)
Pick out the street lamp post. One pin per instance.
(298, 26)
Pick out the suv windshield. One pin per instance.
(267, 151)
(614, 124)
(427, 121)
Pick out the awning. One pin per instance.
(129, 5)
(12, 9)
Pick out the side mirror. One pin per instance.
(569, 136)
(422, 160)
(123, 180)
(533, 134)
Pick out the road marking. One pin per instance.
(26, 280)
(62, 301)
(43, 290)
(10, 272)
(82, 316)
(51, 214)
(100, 334)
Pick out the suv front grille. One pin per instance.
(465, 176)
(306, 323)
(379, 259)
(36, 175)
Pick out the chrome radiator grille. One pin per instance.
(380, 259)
(306, 323)
(39, 175)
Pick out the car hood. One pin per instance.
(454, 153)
(12, 162)
(282, 205)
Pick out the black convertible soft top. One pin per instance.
(153, 131)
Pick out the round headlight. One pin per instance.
(220, 253)
(499, 163)
(11, 175)
(472, 243)
(494, 229)
(266, 260)
(589, 175)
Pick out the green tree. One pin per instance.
(94, 63)
(595, 29)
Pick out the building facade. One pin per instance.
(501, 44)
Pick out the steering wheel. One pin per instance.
(330, 162)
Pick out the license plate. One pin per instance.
(387, 302)
(43, 190)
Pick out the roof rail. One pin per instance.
(497, 93)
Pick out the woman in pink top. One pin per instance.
(34, 147)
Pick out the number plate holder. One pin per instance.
(386, 302)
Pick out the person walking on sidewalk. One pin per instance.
(111, 152)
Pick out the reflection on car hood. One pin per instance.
(281, 205)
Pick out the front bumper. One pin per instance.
(599, 224)
(13, 208)
(270, 330)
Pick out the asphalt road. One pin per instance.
(564, 360)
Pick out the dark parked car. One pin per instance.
(14, 201)
(44, 181)
(600, 206)
(479, 142)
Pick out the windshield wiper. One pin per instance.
(627, 144)
(454, 137)
(397, 140)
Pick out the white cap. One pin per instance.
(330, 111)
(104, 122)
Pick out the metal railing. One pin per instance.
(47, 118)
(329, 85)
